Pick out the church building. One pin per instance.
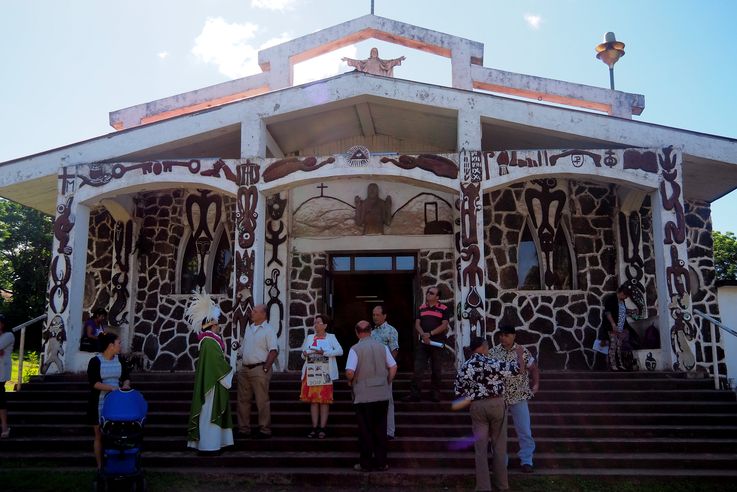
(525, 199)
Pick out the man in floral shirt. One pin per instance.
(518, 390)
(480, 381)
(386, 334)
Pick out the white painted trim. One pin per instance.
(372, 243)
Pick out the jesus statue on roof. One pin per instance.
(374, 64)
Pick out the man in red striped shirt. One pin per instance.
(431, 324)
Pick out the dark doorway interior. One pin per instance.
(354, 297)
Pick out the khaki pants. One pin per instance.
(254, 382)
(489, 421)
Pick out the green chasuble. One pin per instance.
(211, 368)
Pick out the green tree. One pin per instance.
(725, 255)
(25, 256)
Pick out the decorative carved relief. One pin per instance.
(546, 210)
(99, 174)
(436, 164)
(285, 167)
(275, 269)
(676, 271)
(372, 213)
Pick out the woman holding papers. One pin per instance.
(318, 373)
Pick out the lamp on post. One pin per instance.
(610, 51)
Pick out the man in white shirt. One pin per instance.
(259, 349)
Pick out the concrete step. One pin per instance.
(182, 402)
(347, 442)
(399, 459)
(298, 428)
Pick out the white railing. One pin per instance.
(714, 322)
(21, 349)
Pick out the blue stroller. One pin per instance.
(121, 424)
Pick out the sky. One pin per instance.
(65, 64)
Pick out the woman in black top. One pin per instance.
(106, 372)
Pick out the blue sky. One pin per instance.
(67, 64)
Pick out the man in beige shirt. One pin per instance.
(259, 351)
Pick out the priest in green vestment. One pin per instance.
(210, 425)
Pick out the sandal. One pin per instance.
(322, 433)
(313, 433)
(5, 434)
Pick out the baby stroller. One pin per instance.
(121, 424)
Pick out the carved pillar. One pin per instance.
(470, 288)
(120, 311)
(671, 261)
(62, 333)
(276, 262)
(248, 245)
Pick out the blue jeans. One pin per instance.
(521, 417)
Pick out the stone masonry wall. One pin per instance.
(99, 261)
(558, 327)
(160, 330)
(703, 287)
(305, 298)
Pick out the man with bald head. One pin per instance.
(370, 369)
(259, 350)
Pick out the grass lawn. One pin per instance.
(30, 368)
(20, 479)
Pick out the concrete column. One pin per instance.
(63, 329)
(469, 129)
(460, 66)
(276, 264)
(281, 72)
(671, 261)
(471, 287)
(253, 137)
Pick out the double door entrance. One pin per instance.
(358, 283)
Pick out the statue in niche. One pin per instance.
(373, 212)
(374, 64)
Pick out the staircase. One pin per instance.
(584, 423)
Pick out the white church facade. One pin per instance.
(333, 196)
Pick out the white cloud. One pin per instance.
(163, 54)
(323, 66)
(273, 4)
(225, 45)
(533, 21)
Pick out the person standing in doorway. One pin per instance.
(370, 370)
(386, 334)
(517, 390)
(431, 324)
(480, 383)
(254, 374)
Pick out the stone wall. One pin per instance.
(558, 327)
(160, 330)
(305, 298)
(703, 287)
(99, 261)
